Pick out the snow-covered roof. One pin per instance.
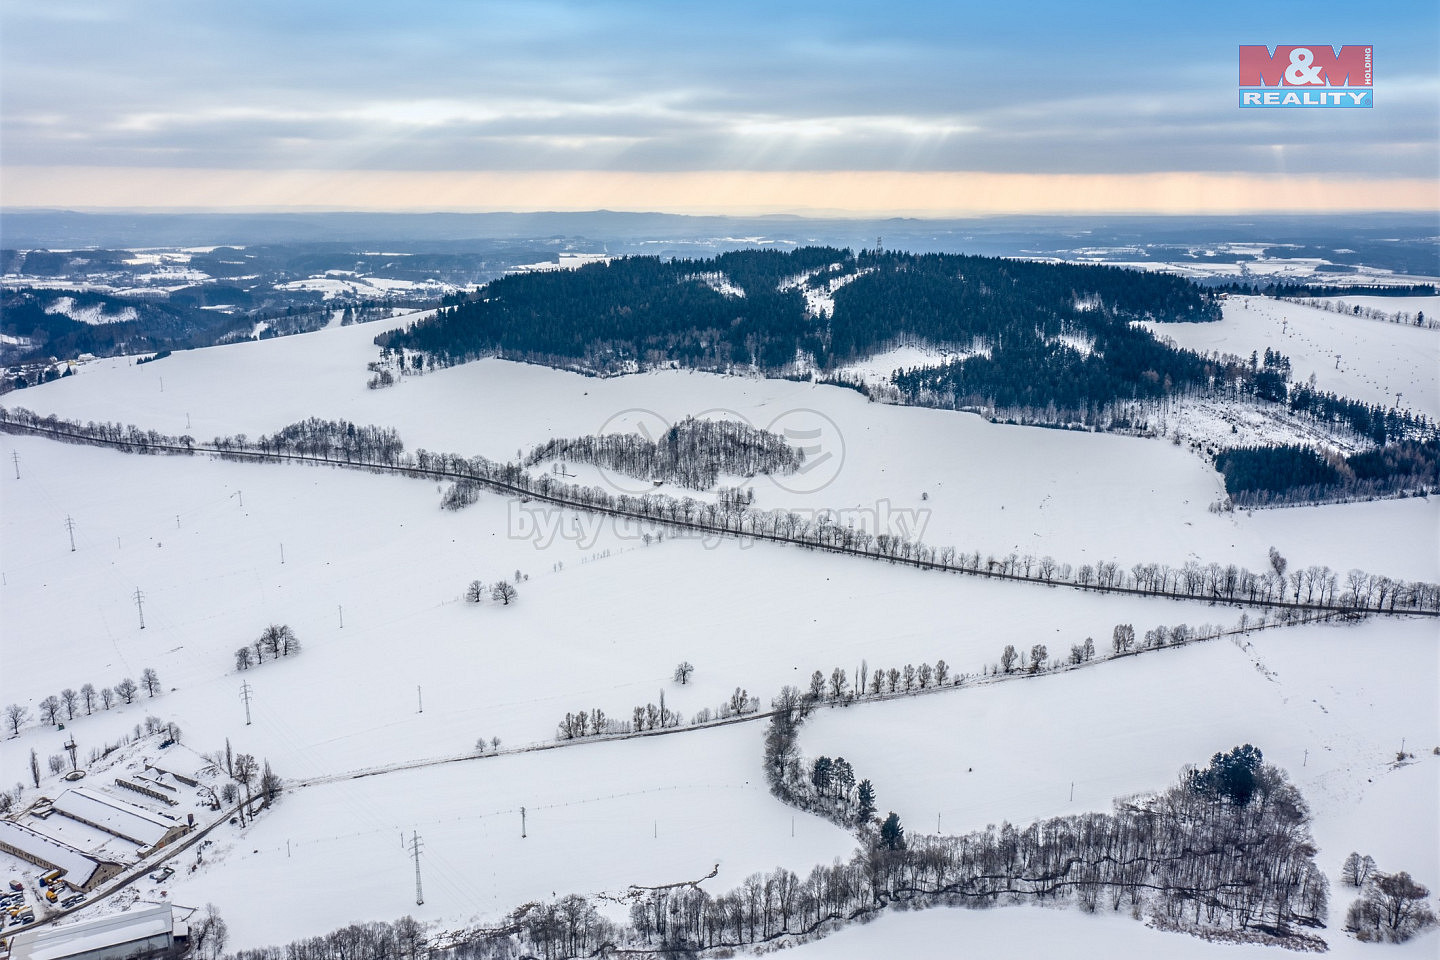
(77, 866)
(117, 816)
(115, 930)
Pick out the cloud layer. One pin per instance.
(1044, 88)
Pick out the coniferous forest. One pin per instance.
(749, 309)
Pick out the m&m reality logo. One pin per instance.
(1313, 75)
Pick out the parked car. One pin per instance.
(160, 876)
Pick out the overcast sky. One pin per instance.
(530, 104)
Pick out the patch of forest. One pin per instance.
(641, 312)
(693, 453)
(1261, 476)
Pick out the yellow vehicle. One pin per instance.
(51, 877)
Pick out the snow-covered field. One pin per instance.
(1373, 361)
(956, 478)
(1022, 933)
(379, 552)
(597, 820)
(1329, 703)
(220, 550)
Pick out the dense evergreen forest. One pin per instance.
(1259, 476)
(774, 311)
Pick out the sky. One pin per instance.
(901, 108)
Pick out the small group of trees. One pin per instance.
(583, 724)
(403, 939)
(502, 592)
(1122, 641)
(692, 453)
(654, 716)
(254, 778)
(824, 786)
(69, 702)
(1391, 907)
(278, 639)
(1012, 659)
(842, 686)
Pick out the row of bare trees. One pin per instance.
(69, 702)
(1315, 586)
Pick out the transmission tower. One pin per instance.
(15, 455)
(70, 526)
(415, 852)
(140, 606)
(246, 691)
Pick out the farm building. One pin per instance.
(139, 934)
(117, 817)
(82, 871)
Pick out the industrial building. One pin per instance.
(143, 933)
(82, 871)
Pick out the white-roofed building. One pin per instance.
(82, 871)
(134, 935)
(118, 817)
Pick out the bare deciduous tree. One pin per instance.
(126, 690)
(16, 717)
(1039, 653)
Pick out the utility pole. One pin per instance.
(140, 606)
(246, 691)
(342, 616)
(419, 700)
(415, 852)
(522, 823)
(70, 526)
(282, 553)
(71, 746)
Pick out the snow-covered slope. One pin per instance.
(954, 477)
(1369, 360)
